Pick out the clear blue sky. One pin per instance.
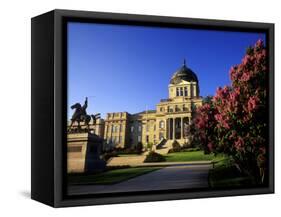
(128, 68)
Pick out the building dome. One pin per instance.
(184, 73)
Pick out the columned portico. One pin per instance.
(176, 128)
(182, 127)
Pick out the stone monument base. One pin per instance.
(83, 153)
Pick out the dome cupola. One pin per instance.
(183, 73)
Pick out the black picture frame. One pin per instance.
(49, 90)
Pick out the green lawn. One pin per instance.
(111, 176)
(192, 156)
(225, 175)
(128, 155)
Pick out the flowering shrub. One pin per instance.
(234, 122)
(154, 157)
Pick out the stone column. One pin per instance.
(105, 132)
(189, 90)
(194, 90)
(167, 128)
(174, 128)
(170, 128)
(181, 127)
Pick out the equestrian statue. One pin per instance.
(80, 115)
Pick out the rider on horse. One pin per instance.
(80, 115)
(80, 110)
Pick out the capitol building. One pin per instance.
(168, 122)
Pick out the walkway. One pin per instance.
(171, 177)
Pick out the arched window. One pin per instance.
(161, 124)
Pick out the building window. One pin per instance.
(177, 108)
(185, 91)
(161, 124)
(161, 109)
(139, 138)
(120, 139)
(132, 129)
(178, 92)
(154, 127)
(139, 128)
(147, 139)
(181, 93)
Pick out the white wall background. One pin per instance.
(15, 97)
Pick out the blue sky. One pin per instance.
(128, 68)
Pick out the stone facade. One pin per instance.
(169, 121)
(116, 132)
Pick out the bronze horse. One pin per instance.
(80, 115)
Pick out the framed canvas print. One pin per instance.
(133, 108)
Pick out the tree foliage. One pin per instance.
(234, 121)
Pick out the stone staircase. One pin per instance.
(164, 147)
(128, 160)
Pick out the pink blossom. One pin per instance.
(252, 103)
(245, 77)
(210, 146)
(239, 143)
(246, 59)
(233, 134)
(259, 43)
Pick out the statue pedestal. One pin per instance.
(83, 153)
